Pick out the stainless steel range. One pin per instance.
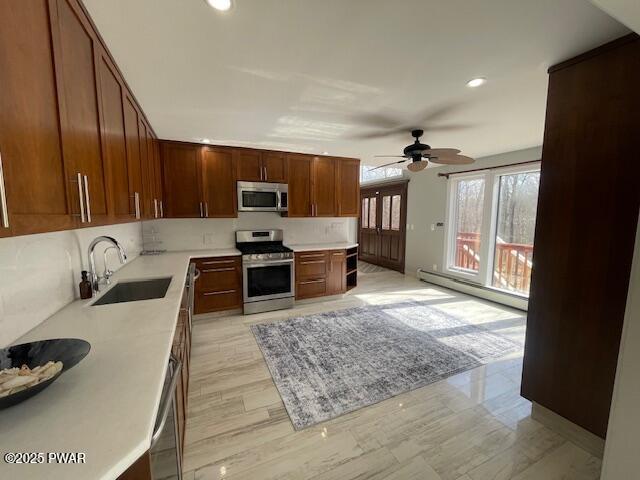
(268, 271)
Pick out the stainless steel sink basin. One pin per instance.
(135, 291)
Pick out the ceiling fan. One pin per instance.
(420, 155)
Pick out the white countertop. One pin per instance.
(106, 405)
(321, 246)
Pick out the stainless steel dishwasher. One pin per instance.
(164, 452)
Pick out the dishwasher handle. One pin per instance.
(175, 367)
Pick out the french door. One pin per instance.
(382, 232)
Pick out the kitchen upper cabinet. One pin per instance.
(114, 144)
(182, 180)
(134, 167)
(35, 176)
(261, 166)
(147, 174)
(348, 187)
(323, 187)
(75, 66)
(219, 182)
(299, 185)
(250, 166)
(157, 168)
(275, 167)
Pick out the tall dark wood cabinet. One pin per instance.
(585, 230)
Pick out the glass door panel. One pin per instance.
(515, 226)
(469, 206)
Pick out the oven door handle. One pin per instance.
(268, 264)
(165, 403)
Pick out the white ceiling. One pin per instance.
(296, 74)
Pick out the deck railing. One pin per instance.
(512, 262)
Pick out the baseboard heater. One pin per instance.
(486, 293)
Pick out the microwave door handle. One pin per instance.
(167, 400)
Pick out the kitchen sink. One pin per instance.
(135, 291)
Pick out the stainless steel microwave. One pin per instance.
(262, 197)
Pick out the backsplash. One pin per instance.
(39, 274)
(199, 234)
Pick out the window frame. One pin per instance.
(489, 225)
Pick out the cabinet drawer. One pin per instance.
(210, 301)
(315, 287)
(217, 262)
(219, 278)
(311, 265)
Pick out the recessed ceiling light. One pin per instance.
(206, 140)
(222, 5)
(476, 82)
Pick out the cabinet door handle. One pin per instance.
(308, 282)
(136, 203)
(83, 218)
(265, 173)
(210, 270)
(4, 211)
(218, 262)
(206, 209)
(161, 210)
(312, 262)
(201, 211)
(155, 208)
(86, 196)
(315, 255)
(223, 292)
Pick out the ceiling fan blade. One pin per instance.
(441, 152)
(447, 128)
(452, 160)
(389, 156)
(388, 164)
(377, 120)
(439, 111)
(380, 133)
(418, 166)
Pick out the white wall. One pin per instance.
(39, 274)
(621, 459)
(199, 234)
(427, 204)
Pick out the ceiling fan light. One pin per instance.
(418, 166)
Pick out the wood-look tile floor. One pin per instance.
(473, 426)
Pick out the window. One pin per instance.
(491, 223)
(367, 174)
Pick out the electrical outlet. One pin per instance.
(433, 227)
(435, 267)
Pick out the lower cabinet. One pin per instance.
(219, 286)
(320, 273)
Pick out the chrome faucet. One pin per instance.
(95, 279)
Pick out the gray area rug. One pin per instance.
(329, 364)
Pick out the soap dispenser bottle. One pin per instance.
(85, 286)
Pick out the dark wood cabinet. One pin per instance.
(75, 65)
(320, 273)
(585, 230)
(114, 143)
(134, 166)
(35, 174)
(337, 274)
(218, 182)
(181, 166)
(299, 185)
(348, 187)
(250, 166)
(220, 284)
(261, 166)
(323, 187)
(274, 165)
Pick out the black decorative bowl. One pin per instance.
(69, 351)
